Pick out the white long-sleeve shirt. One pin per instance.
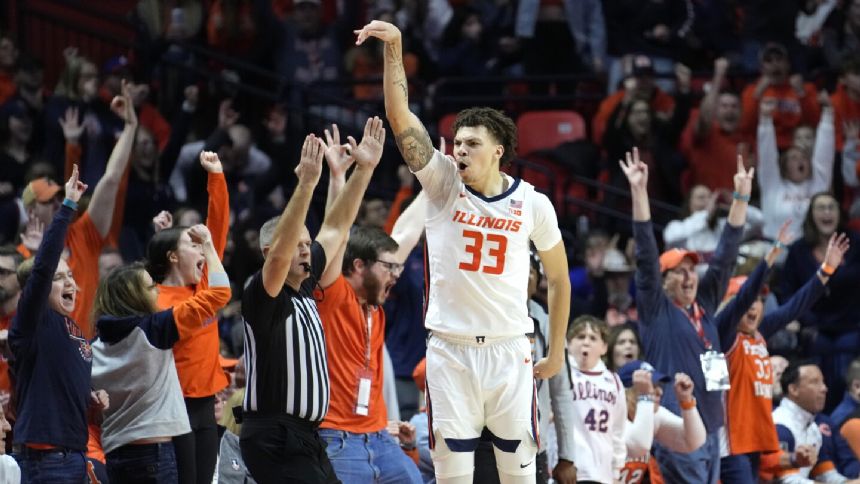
(782, 199)
(795, 426)
(600, 415)
(679, 434)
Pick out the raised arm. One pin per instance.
(709, 102)
(768, 155)
(101, 206)
(687, 433)
(811, 292)
(851, 155)
(409, 227)
(335, 228)
(824, 151)
(339, 160)
(218, 210)
(741, 197)
(649, 288)
(289, 228)
(409, 133)
(639, 434)
(34, 295)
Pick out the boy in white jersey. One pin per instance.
(599, 403)
(479, 224)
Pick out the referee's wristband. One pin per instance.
(70, 203)
(741, 198)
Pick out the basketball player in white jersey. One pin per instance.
(479, 225)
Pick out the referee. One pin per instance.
(287, 393)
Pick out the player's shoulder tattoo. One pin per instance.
(415, 146)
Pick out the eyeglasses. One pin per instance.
(392, 267)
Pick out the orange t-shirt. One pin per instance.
(344, 321)
(749, 403)
(196, 354)
(635, 470)
(713, 159)
(85, 246)
(660, 102)
(791, 110)
(845, 110)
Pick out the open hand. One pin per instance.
(837, 246)
(71, 124)
(33, 234)
(310, 164)
(75, 187)
(369, 152)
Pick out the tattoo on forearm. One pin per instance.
(398, 74)
(415, 146)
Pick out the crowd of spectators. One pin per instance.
(692, 84)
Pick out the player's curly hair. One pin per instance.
(497, 123)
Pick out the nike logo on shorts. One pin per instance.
(523, 466)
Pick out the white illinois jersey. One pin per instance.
(478, 251)
(600, 416)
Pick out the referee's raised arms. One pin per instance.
(279, 255)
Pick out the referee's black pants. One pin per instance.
(283, 448)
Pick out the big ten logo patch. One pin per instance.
(76, 335)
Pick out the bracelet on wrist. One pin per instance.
(827, 270)
(70, 203)
(645, 398)
(688, 404)
(778, 245)
(741, 198)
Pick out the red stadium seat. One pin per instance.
(541, 130)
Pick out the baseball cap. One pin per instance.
(40, 190)
(626, 373)
(735, 284)
(672, 258)
(614, 261)
(641, 65)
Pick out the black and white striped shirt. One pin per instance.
(285, 352)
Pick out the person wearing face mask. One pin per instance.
(648, 421)
(788, 181)
(833, 320)
(52, 360)
(744, 329)
(133, 361)
(178, 265)
(676, 317)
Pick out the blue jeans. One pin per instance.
(143, 464)
(740, 469)
(369, 458)
(52, 467)
(700, 466)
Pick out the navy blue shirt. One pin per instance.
(405, 336)
(669, 340)
(52, 358)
